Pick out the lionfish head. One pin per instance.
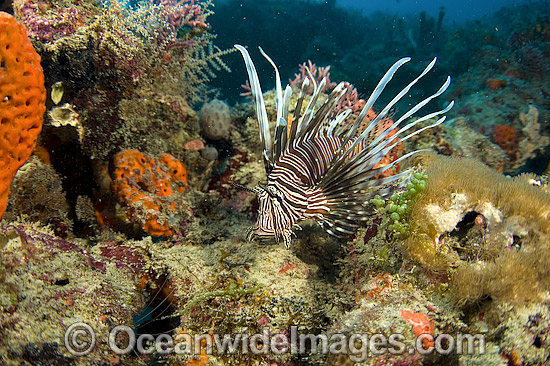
(272, 220)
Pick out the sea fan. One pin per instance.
(532, 60)
(323, 165)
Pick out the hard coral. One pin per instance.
(318, 74)
(149, 187)
(22, 99)
(37, 194)
(508, 260)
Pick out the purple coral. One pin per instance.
(46, 26)
(318, 74)
(184, 12)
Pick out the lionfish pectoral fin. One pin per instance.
(287, 237)
(250, 233)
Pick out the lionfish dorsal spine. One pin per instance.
(337, 121)
(380, 145)
(297, 114)
(278, 87)
(263, 122)
(279, 143)
(358, 172)
(383, 113)
(309, 112)
(318, 121)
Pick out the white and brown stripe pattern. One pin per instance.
(322, 166)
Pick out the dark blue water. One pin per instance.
(361, 39)
(456, 11)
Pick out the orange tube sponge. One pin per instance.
(22, 101)
(149, 187)
(507, 138)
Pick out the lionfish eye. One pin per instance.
(270, 190)
(274, 193)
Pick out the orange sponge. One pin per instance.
(149, 187)
(22, 101)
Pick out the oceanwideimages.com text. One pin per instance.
(80, 340)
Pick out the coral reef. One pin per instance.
(48, 283)
(480, 240)
(61, 22)
(101, 68)
(504, 251)
(468, 143)
(23, 97)
(127, 213)
(37, 195)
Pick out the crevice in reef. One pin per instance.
(159, 316)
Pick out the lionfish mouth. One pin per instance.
(258, 231)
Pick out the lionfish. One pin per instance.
(319, 164)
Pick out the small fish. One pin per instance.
(322, 166)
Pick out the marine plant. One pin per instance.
(320, 164)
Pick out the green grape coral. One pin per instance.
(396, 210)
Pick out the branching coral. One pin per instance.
(318, 74)
(533, 141)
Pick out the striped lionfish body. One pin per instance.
(322, 165)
